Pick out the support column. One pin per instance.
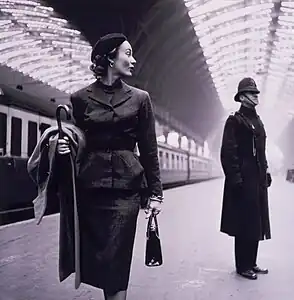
(189, 144)
(165, 133)
(180, 141)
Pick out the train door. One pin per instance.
(33, 135)
(45, 123)
(3, 129)
(16, 130)
(22, 133)
(188, 166)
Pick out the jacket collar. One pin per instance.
(121, 94)
(247, 111)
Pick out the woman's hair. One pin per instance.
(100, 64)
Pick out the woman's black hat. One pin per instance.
(106, 44)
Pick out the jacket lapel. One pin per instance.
(121, 95)
(97, 94)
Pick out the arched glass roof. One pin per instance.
(34, 41)
(248, 38)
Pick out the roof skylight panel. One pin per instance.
(56, 45)
(233, 37)
(59, 72)
(51, 69)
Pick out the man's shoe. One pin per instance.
(258, 270)
(249, 274)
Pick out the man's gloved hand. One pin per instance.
(268, 179)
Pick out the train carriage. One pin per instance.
(21, 126)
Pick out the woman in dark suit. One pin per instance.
(115, 117)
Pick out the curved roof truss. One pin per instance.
(247, 38)
(34, 41)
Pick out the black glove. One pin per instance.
(268, 179)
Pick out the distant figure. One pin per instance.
(114, 117)
(245, 212)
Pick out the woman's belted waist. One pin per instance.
(112, 167)
(110, 148)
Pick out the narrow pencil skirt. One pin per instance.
(108, 221)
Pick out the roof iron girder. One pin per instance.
(245, 47)
(272, 27)
(178, 126)
(172, 43)
(173, 79)
(169, 96)
(165, 66)
(171, 69)
(48, 30)
(271, 38)
(173, 76)
(156, 38)
(151, 16)
(203, 77)
(190, 57)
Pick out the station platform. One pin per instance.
(198, 259)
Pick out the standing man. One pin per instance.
(245, 212)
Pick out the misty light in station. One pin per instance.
(173, 139)
(161, 139)
(193, 148)
(249, 39)
(184, 143)
(206, 151)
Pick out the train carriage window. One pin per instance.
(32, 136)
(16, 124)
(178, 162)
(182, 163)
(167, 160)
(160, 159)
(197, 166)
(43, 127)
(3, 130)
(173, 161)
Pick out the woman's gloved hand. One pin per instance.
(63, 146)
(153, 205)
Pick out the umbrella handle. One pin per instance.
(58, 118)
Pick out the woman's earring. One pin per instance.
(111, 64)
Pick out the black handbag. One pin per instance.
(153, 255)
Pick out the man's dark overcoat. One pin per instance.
(245, 211)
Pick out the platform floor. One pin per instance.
(198, 259)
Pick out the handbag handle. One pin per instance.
(152, 216)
